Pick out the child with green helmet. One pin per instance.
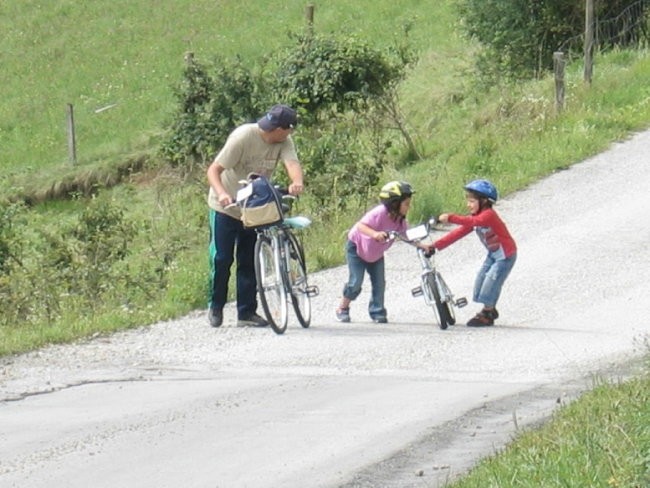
(366, 244)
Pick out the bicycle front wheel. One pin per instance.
(446, 296)
(269, 284)
(440, 310)
(298, 281)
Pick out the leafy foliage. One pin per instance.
(339, 86)
(11, 244)
(79, 265)
(520, 36)
(324, 74)
(211, 101)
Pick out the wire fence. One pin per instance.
(628, 28)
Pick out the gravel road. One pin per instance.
(179, 404)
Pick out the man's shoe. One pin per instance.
(216, 317)
(343, 314)
(252, 320)
(379, 319)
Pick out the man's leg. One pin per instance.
(246, 280)
(222, 243)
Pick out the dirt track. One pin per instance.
(359, 404)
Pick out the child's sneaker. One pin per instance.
(343, 314)
(484, 318)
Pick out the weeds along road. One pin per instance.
(179, 404)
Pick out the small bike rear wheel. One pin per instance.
(269, 284)
(298, 281)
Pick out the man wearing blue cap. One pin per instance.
(250, 148)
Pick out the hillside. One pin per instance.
(118, 63)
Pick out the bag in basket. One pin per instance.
(261, 203)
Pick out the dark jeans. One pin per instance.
(226, 234)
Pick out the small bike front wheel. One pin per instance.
(269, 284)
(446, 297)
(299, 287)
(439, 307)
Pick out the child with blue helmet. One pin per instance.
(501, 248)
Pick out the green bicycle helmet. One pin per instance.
(395, 191)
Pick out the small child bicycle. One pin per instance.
(432, 287)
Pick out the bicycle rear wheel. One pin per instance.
(298, 281)
(269, 284)
(439, 307)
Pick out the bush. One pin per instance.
(212, 100)
(520, 36)
(339, 85)
(79, 266)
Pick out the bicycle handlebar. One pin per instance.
(284, 195)
(418, 233)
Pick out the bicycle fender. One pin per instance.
(297, 222)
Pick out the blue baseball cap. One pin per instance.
(278, 116)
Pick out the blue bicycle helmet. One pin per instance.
(484, 188)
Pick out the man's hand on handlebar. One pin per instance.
(295, 189)
(225, 199)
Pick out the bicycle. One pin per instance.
(432, 287)
(281, 271)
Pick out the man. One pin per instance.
(250, 148)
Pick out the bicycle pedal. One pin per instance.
(312, 291)
(417, 291)
(461, 302)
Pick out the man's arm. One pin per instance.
(214, 178)
(294, 170)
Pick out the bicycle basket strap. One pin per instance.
(263, 206)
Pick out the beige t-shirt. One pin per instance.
(246, 152)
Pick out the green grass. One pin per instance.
(129, 54)
(601, 440)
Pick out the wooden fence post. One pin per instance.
(558, 68)
(589, 41)
(309, 15)
(72, 145)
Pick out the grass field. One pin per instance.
(117, 62)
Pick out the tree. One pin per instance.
(519, 36)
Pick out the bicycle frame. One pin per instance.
(281, 273)
(432, 287)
